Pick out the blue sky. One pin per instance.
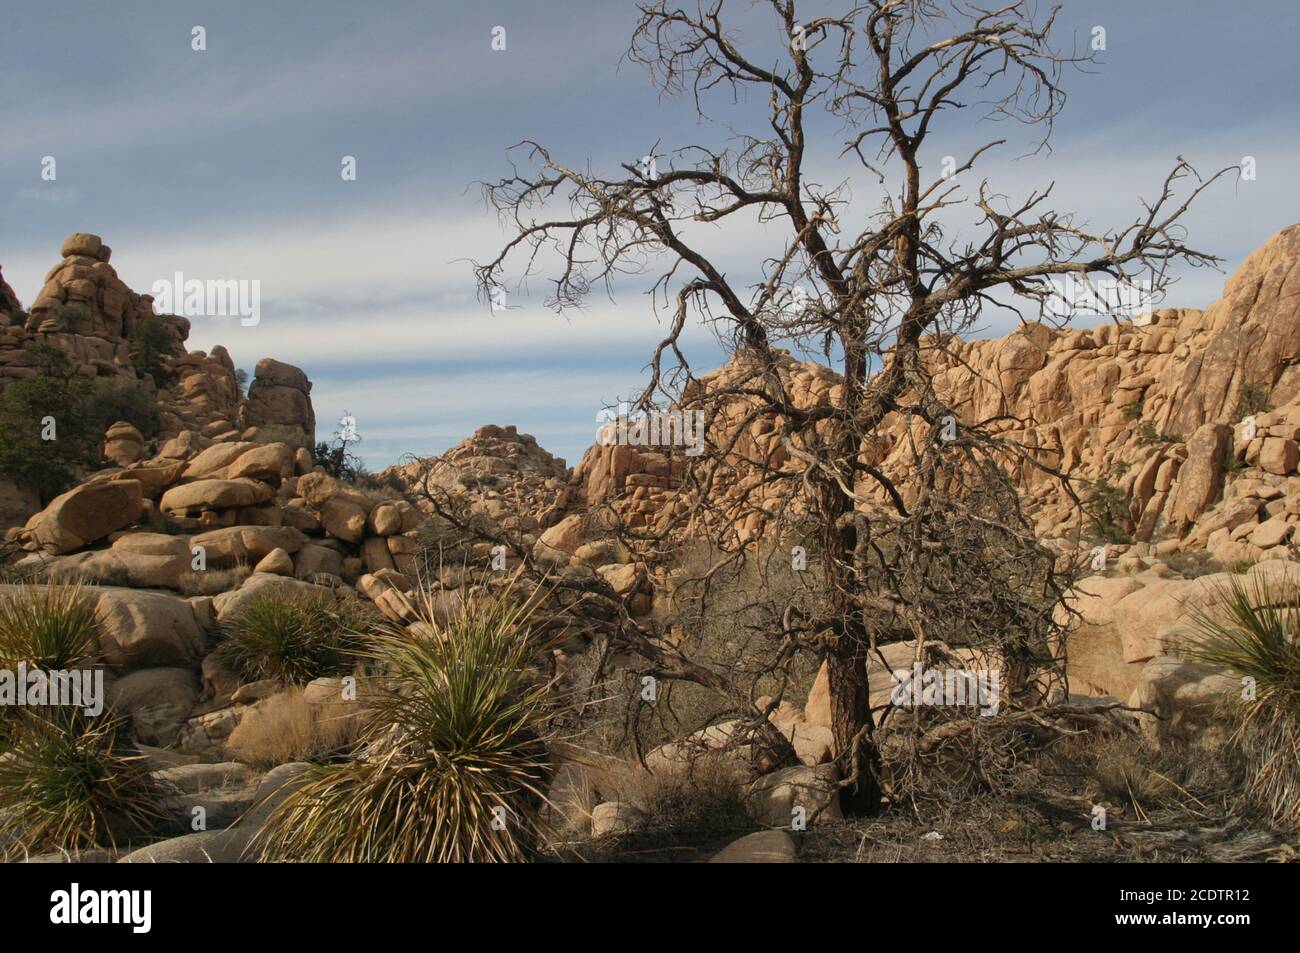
(225, 164)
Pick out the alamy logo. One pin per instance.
(74, 906)
(951, 687)
(1099, 296)
(81, 688)
(658, 428)
(213, 298)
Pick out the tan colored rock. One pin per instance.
(1199, 478)
(375, 555)
(86, 514)
(344, 518)
(1185, 697)
(81, 243)
(153, 476)
(385, 520)
(140, 629)
(1271, 533)
(763, 847)
(153, 559)
(215, 495)
(123, 444)
(1279, 456)
(229, 604)
(298, 513)
(562, 540)
(277, 561)
(314, 558)
(249, 543)
(213, 461)
(817, 710)
(272, 462)
(280, 394)
(813, 792)
(157, 700)
(624, 579)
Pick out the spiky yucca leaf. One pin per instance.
(294, 637)
(65, 783)
(50, 627)
(458, 763)
(1257, 635)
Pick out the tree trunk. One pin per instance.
(846, 669)
(846, 662)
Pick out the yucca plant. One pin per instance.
(50, 627)
(67, 784)
(455, 767)
(294, 637)
(1255, 635)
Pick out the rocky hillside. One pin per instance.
(1191, 418)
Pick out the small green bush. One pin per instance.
(458, 743)
(1257, 636)
(1254, 398)
(150, 343)
(124, 398)
(51, 404)
(47, 627)
(1107, 509)
(294, 637)
(66, 783)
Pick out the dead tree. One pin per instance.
(874, 292)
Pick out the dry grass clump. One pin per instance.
(285, 728)
(214, 581)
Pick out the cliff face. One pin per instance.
(1156, 407)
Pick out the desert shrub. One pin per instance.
(56, 396)
(458, 738)
(1133, 411)
(124, 398)
(336, 456)
(212, 580)
(1126, 772)
(1148, 435)
(67, 783)
(285, 728)
(1106, 507)
(707, 798)
(47, 627)
(1257, 636)
(150, 343)
(294, 637)
(73, 315)
(1254, 398)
